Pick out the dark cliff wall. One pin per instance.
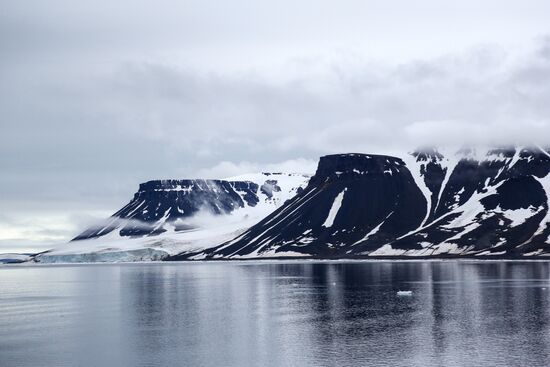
(170, 200)
(346, 198)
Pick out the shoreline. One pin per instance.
(294, 260)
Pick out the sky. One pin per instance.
(98, 96)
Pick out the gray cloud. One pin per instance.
(94, 100)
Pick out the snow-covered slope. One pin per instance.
(171, 217)
(475, 202)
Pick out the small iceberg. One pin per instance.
(404, 293)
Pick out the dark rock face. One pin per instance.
(481, 198)
(433, 174)
(490, 203)
(269, 187)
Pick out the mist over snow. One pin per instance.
(97, 97)
(227, 169)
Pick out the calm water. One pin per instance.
(276, 314)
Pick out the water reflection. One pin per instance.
(276, 314)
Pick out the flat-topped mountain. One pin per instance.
(163, 205)
(167, 217)
(468, 203)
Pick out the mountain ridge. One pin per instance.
(489, 204)
(430, 203)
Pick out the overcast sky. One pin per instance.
(98, 96)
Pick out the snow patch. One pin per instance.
(387, 250)
(415, 168)
(374, 230)
(334, 209)
(518, 216)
